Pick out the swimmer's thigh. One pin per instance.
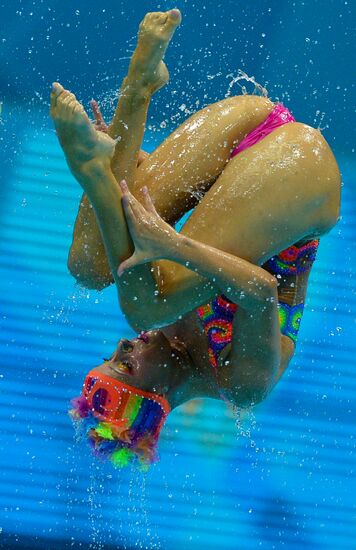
(187, 163)
(177, 174)
(281, 190)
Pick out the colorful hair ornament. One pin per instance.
(120, 422)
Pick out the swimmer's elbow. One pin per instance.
(86, 276)
(246, 397)
(250, 382)
(145, 317)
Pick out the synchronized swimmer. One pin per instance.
(217, 306)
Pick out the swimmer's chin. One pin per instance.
(117, 371)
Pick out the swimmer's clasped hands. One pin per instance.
(152, 236)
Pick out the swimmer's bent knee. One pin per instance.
(88, 276)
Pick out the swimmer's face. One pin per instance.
(144, 362)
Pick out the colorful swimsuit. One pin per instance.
(217, 316)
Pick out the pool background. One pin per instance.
(286, 478)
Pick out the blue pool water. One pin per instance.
(284, 477)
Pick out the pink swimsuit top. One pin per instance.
(217, 316)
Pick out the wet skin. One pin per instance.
(238, 233)
(145, 362)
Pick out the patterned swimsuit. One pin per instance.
(217, 316)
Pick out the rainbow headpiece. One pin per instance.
(121, 422)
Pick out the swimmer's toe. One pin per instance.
(169, 22)
(57, 89)
(175, 16)
(64, 103)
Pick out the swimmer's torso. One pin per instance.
(207, 332)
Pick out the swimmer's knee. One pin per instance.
(307, 136)
(87, 275)
(91, 281)
(250, 103)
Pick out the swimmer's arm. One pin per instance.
(249, 376)
(244, 283)
(210, 271)
(143, 296)
(257, 358)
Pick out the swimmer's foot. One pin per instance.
(147, 69)
(81, 143)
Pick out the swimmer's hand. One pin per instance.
(152, 236)
(101, 126)
(100, 123)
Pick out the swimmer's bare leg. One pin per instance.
(87, 260)
(89, 154)
(101, 125)
(147, 73)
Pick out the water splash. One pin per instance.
(241, 75)
(247, 426)
(95, 495)
(319, 120)
(245, 423)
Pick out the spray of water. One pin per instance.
(242, 76)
